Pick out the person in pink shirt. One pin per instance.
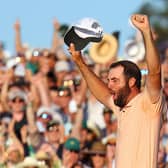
(139, 112)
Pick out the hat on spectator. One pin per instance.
(110, 139)
(43, 109)
(41, 155)
(48, 110)
(85, 31)
(52, 123)
(134, 50)
(5, 117)
(12, 147)
(97, 148)
(30, 161)
(17, 93)
(72, 144)
(62, 65)
(104, 51)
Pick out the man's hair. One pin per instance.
(130, 70)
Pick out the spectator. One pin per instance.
(70, 153)
(110, 142)
(97, 154)
(107, 115)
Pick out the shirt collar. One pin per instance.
(130, 103)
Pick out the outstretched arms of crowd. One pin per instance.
(153, 83)
(18, 40)
(55, 40)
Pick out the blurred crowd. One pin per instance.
(48, 117)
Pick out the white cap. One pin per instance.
(50, 111)
(62, 65)
(17, 93)
(88, 27)
(84, 31)
(20, 70)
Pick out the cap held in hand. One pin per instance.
(85, 31)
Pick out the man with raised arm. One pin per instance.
(139, 113)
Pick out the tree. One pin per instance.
(158, 12)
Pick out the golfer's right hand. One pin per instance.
(76, 55)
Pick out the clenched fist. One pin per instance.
(141, 22)
(17, 25)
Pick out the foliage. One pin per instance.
(158, 12)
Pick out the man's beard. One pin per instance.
(122, 96)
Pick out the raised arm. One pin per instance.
(18, 42)
(6, 80)
(98, 88)
(153, 82)
(55, 40)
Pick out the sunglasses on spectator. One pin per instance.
(73, 151)
(98, 154)
(63, 93)
(111, 144)
(53, 128)
(46, 116)
(75, 82)
(17, 100)
(67, 83)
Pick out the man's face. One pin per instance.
(44, 65)
(17, 104)
(14, 156)
(64, 98)
(54, 134)
(70, 156)
(118, 86)
(98, 160)
(54, 96)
